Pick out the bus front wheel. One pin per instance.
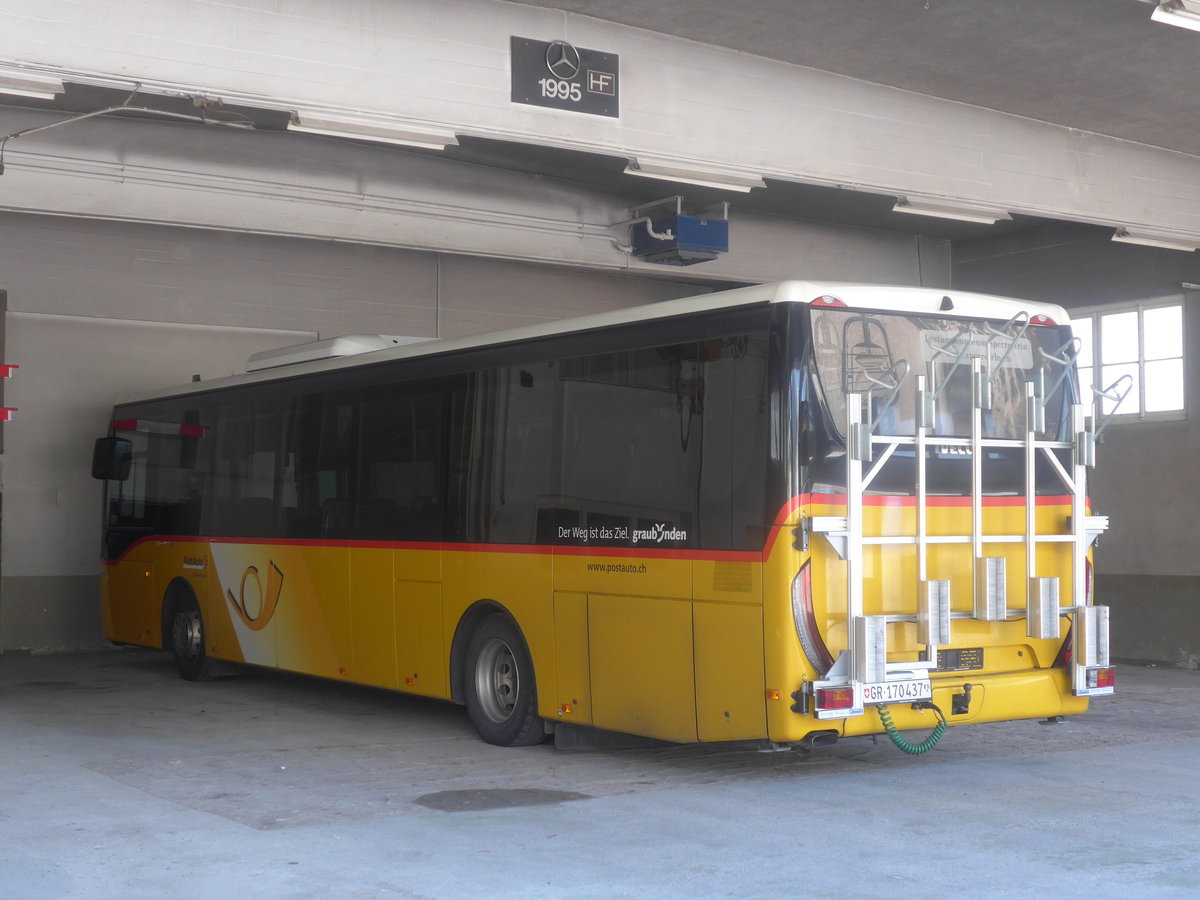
(500, 692)
(187, 641)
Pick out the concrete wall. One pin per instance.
(71, 369)
(1146, 479)
(294, 185)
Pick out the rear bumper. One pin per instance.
(995, 697)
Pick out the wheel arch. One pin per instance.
(471, 617)
(178, 591)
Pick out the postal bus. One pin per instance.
(783, 513)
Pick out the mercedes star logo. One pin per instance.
(562, 60)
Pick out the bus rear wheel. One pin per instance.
(499, 685)
(187, 641)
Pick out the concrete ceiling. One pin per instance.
(1096, 65)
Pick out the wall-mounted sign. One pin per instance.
(561, 76)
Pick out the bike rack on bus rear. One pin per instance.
(865, 661)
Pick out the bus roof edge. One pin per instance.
(330, 348)
(919, 300)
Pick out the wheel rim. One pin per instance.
(497, 682)
(186, 634)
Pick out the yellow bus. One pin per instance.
(783, 513)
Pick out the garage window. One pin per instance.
(1143, 341)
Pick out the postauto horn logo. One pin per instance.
(256, 610)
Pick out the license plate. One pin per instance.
(898, 691)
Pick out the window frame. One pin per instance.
(1139, 414)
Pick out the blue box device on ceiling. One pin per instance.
(693, 240)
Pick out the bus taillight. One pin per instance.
(835, 698)
(1064, 652)
(1101, 678)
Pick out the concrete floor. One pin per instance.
(117, 780)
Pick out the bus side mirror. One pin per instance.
(111, 458)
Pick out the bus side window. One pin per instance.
(336, 466)
(458, 458)
(523, 469)
(471, 451)
(248, 441)
(302, 451)
(632, 430)
(735, 450)
(399, 492)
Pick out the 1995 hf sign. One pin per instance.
(558, 75)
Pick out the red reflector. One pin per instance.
(123, 425)
(1102, 678)
(1041, 320)
(835, 698)
(828, 300)
(193, 430)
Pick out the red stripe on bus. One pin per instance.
(445, 547)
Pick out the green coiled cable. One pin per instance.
(898, 739)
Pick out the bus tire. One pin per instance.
(188, 641)
(499, 685)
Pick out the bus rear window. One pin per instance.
(868, 353)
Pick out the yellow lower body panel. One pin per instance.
(664, 646)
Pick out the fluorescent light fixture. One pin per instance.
(19, 83)
(1182, 13)
(670, 171)
(949, 209)
(377, 130)
(1156, 239)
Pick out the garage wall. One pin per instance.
(71, 369)
(1146, 479)
(270, 183)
